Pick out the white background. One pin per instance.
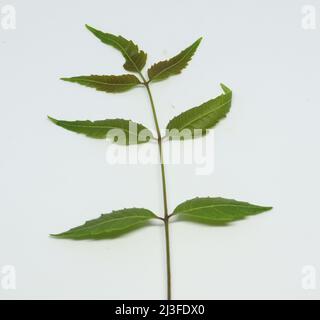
(266, 151)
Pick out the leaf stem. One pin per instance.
(167, 234)
(164, 188)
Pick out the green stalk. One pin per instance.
(164, 189)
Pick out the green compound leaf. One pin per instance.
(135, 58)
(121, 131)
(111, 84)
(217, 210)
(109, 225)
(164, 69)
(196, 121)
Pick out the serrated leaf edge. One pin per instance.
(243, 204)
(119, 45)
(103, 83)
(56, 122)
(84, 227)
(226, 91)
(196, 43)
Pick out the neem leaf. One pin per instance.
(164, 69)
(107, 83)
(195, 122)
(217, 210)
(135, 58)
(109, 225)
(121, 131)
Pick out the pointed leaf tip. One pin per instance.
(90, 28)
(55, 121)
(225, 88)
(199, 40)
(56, 235)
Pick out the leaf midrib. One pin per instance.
(213, 206)
(99, 127)
(203, 115)
(172, 66)
(109, 84)
(84, 227)
(125, 52)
